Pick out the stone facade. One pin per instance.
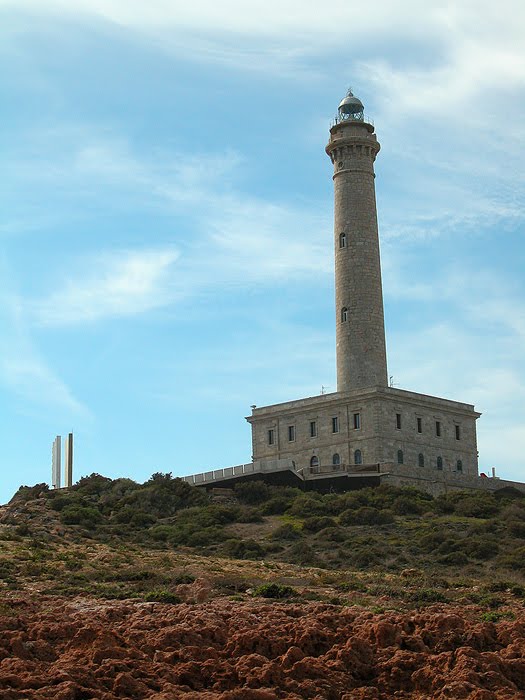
(378, 425)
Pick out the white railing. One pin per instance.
(266, 466)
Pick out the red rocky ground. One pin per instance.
(82, 649)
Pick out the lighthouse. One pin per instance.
(366, 432)
(359, 317)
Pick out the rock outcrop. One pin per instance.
(83, 649)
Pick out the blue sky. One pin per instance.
(166, 226)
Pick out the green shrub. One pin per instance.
(366, 516)
(444, 505)
(243, 549)
(141, 519)
(199, 538)
(316, 523)
(286, 532)
(274, 590)
(516, 528)
(162, 596)
(352, 585)
(403, 505)
(332, 534)
(307, 505)
(477, 506)
(252, 492)
(86, 516)
(453, 559)
(301, 553)
(277, 505)
(481, 548)
(29, 493)
(517, 590)
(515, 560)
(249, 515)
(428, 595)
(366, 556)
(498, 586)
(162, 533)
(494, 616)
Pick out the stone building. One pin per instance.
(365, 425)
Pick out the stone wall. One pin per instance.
(377, 437)
(437, 483)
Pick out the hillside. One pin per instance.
(115, 589)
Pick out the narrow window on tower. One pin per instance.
(421, 460)
(459, 465)
(458, 432)
(291, 433)
(357, 421)
(313, 428)
(400, 456)
(438, 429)
(335, 424)
(419, 425)
(344, 314)
(271, 437)
(358, 457)
(398, 421)
(342, 240)
(439, 464)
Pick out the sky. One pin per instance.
(166, 250)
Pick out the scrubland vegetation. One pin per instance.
(117, 538)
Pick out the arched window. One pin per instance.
(400, 456)
(344, 314)
(421, 459)
(336, 460)
(459, 465)
(314, 462)
(358, 457)
(440, 463)
(342, 240)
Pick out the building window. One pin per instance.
(357, 421)
(459, 465)
(313, 428)
(344, 314)
(458, 432)
(291, 433)
(398, 421)
(419, 425)
(358, 457)
(271, 437)
(421, 459)
(439, 464)
(335, 424)
(342, 240)
(314, 462)
(438, 428)
(336, 460)
(400, 456)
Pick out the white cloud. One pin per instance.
(119, 284)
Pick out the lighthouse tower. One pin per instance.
(360, 326)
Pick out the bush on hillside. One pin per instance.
(243, 549)
(87, 517)
(252, 492)
(366, 516)
(274, 590)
